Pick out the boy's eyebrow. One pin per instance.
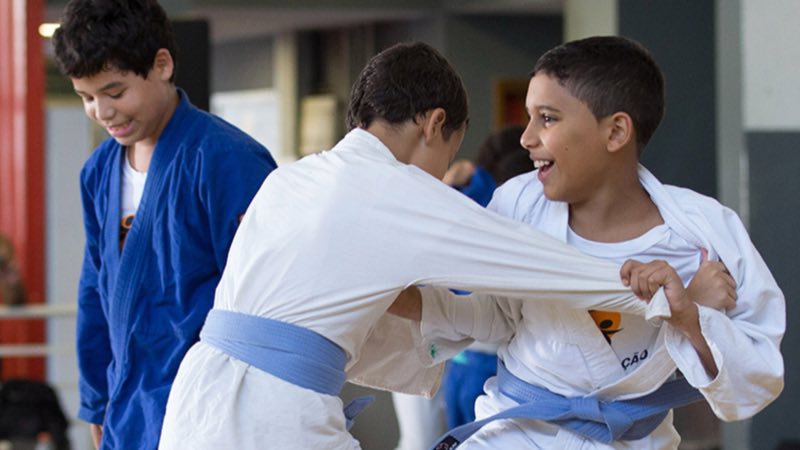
(546, 108)
(107, 86)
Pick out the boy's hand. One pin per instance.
(645, 279)
(712, 285)
(97, 434)
(459, 173)
(408, 304)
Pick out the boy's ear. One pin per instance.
(620, 131)
(432, 123)
(163, 64)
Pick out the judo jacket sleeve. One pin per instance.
(94, 355)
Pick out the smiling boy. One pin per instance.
(162, 199)
(593, 106)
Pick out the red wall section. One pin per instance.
(22, 205)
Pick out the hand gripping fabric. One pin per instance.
(292, 353)
(598, 420)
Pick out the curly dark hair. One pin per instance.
(406, 80)
(610, 74)
(96, 35)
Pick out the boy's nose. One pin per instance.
(103, 111)
(530, 137)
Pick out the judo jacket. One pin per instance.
(141, 306)
(342, 233)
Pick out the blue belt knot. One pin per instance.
(586, 408)
(603, 421)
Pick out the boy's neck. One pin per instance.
(616, 214)
(141, 152)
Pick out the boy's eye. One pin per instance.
(548, 119)
(116, 95)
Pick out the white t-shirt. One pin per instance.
(632, 337)
(131, 195)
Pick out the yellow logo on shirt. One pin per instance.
(609, 322)
(124, 227)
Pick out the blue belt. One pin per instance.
(292, 353)
(598, 420)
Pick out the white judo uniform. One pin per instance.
(327, 244)
(564, 351)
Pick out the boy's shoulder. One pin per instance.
(704, 209)
(688, 197)
(212, 133)
(677, 197)
(526, 183)
(217, 149)
(697, 217)
(518, 196)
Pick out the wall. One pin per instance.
(771, 63)
(584, 18)
(680, 35)
(240, 65)
(68, 144)
(486, 49)
(21, 176)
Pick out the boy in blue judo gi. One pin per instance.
(162, 199)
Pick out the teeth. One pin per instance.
(539, 163)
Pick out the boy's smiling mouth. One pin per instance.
(543, 167)
(120, 129)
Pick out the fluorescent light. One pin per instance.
(46, 30)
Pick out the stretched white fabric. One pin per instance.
(327, 244)
(562, 350)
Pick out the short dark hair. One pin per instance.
(502, 154)
(610, 74)
(99, 34)
(406, 80)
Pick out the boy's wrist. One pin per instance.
(688, 323)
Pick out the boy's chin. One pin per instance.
(553, 195)
(124, 141)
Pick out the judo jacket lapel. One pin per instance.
(132, 270)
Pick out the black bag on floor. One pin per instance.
(29, 408)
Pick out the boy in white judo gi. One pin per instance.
(593, 106)
(325, 248)
(162, 198)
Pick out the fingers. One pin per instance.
(729, 281)
(718, 269)
(459, 173)
(703, 255)
(660, 274)
(713, 286)
(626, 269)
(645, 279)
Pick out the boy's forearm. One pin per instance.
(690, 327)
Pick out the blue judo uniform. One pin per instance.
(142, 306)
